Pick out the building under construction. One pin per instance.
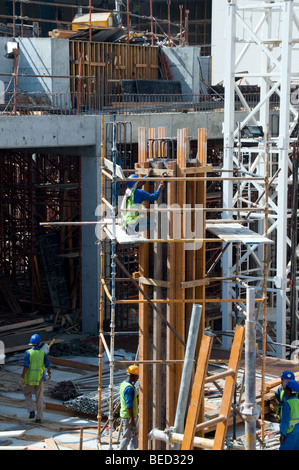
(207, 293)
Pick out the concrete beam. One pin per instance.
(45, 132)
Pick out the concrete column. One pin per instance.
(90, 199)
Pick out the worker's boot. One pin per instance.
(32, 415)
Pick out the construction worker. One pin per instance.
(289, 425)
(129, 409)
(133, 199)
(33, 377)
(285, 377)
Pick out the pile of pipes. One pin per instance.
(88, 402)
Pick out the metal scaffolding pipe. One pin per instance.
(250, 410)
(187, 370)
(176, 438)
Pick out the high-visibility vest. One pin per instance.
(294, 416)
(36, 368)
(281, 398)
(131, 217)
(123, 407)
(279, 408)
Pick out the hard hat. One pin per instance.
(133, 369)
(287, 374)
(35, 340)
(131, 183)
(293, 385)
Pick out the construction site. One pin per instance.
(198, 101)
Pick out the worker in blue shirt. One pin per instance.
(133, 199)
(129, 409)
(289, 425)
(33, 377)
(285, 377)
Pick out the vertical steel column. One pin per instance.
(250, 411)
(113, 274)
(283, 147)
(187, 370)
(228, 130)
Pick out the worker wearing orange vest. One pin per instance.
(129, 409)
(33, 377)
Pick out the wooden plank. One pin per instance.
(162, 132)
(197, 392)
(51, 444)
(200, 254)
(229, 387)
(22, 339)
(195, 283)
(153, 282)
(183, 154)
(19, 325)
(143, 315)
(73, 364)
(12, 433)
(190, 170)
(171, 294)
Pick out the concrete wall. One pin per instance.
(212, 121)
(79, 133)
(188, 67)
(40, 56)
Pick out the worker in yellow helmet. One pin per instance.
(129, 409)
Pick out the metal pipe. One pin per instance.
(128, 20)
(16, 54)
(90, 7)
(187, 369)
(176, 438)
(101, 312)
(181, 24)
(113, 290)
(79, 84)
(250, 410)
(152, 28)
(294, 237)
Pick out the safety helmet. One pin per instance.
(131, 183)
(293, 385)
(287, 374)
(35, 340)
(133, 370)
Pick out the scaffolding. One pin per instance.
(263, 153)
(172, 273)
(35, 261)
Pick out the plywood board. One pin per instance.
(237, 233)
(118, 169)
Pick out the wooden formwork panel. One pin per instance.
(105, 64)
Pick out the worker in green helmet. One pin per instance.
(129, 409)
